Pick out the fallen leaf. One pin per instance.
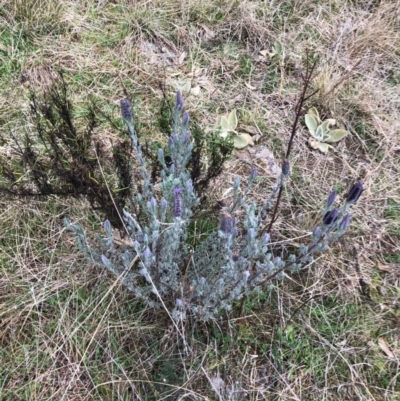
(384, 346)
(385, 268)
(314, 144)
(208, 33)
(249, 129)
(195, 91)
(264, 53)
(256, 137)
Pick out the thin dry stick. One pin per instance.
(298, 109)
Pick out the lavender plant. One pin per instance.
(158, 265)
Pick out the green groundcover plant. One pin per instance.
(158, 264)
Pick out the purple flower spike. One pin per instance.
(226, 224)
(253, 174)
(330, 217)
(345, 222)
(177, 202)
(179, 101)
(126, 111)
(107, 226)
(147, 253)
(285, 167)
(185, 118)
(355, 192)
(186, 136)
(170, 142)
(331, 199)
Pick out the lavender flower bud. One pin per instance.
(330, 217)
(163, 204)
(285, 167)
(253, 174)
(178, 303)
(177, 202)
(185, 118)
(153, 203)
(170, 142)
(355, 192)
(246, 275)
(179, 101)
(126, 111)
(147, 253)
(226, 224)
(331, 199)
(186, 137)
(202, 281)
(345, 222)
(107, 227)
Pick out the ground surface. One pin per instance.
(70, 332)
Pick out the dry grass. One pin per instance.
(330, 332)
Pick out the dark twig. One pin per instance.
(298, 111)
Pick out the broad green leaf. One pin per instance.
(335, 135)
(312, 123)
(324, 147)
(315, 113)
(249, 138)
(277, 49)
(229, 124)
(224, 134)
(241, 141)
(319, 134)
(325, 126)
(232, 119)
(224, 124)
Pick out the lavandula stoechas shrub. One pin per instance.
(160, 267)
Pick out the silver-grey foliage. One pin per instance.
(159, 266)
